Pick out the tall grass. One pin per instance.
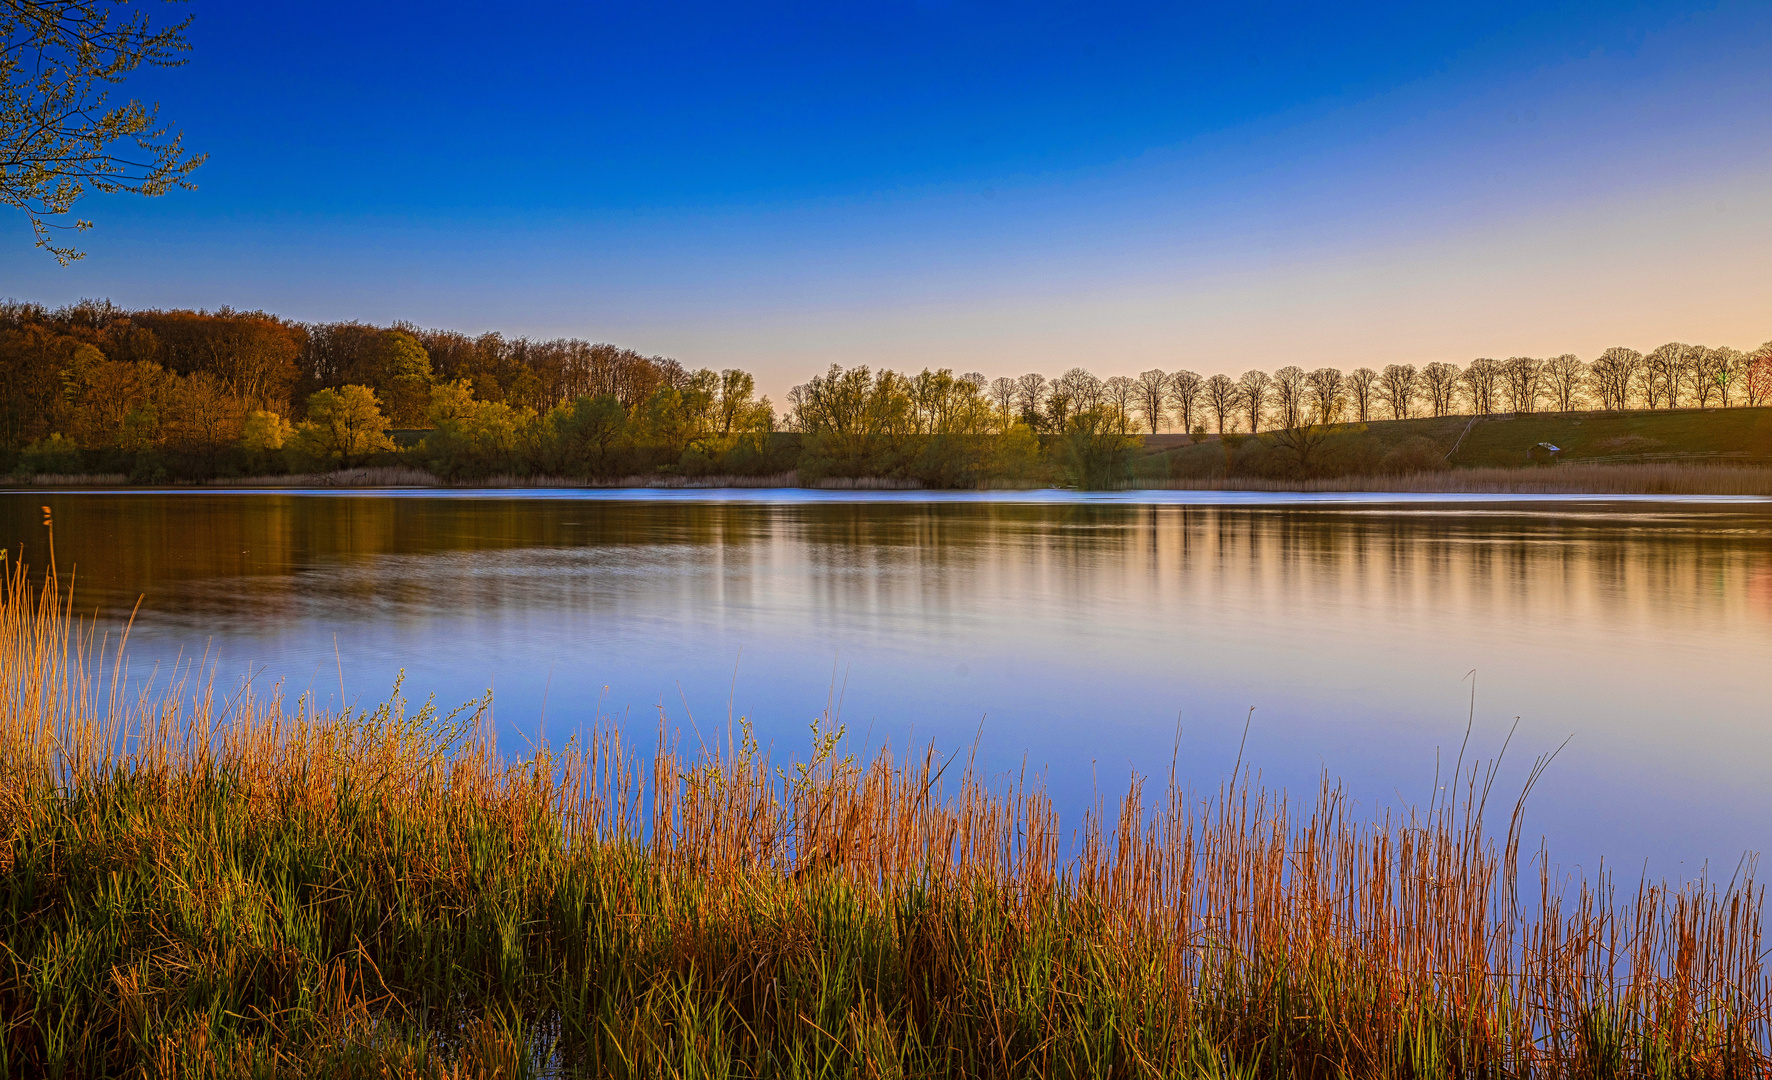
(195, 885)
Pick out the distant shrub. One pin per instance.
(1417, 455)
(56, 454)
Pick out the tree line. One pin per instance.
(1672, 376)
(168, 395)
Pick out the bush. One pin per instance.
(149, 468)
(1417, 455)
(56, 454)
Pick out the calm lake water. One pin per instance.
(1070, 634)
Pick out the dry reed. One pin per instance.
(1567, 479)
(201, 886)
(72, 479)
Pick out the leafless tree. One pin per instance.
(1030, 393)
(1757, 383)
(1563, 377)
(1440, 380)
(1666, 371)
(1328, 389)
(1185, 388)
(1481, 380)
(1222, 396)
(1002, 395)
(1289, 395)
(1712, 371)
(1523, 378)
(1614, 376)
(1153, 394)
(1254, 388)
(1733, 365)
(1362, 385)
(1397, 387)
(1119, 393)
(1059, 407)
(1306, 424)
(1082, 388)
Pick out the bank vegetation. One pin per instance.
(181, 396)
(201, 884)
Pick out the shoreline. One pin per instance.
(1625, 482)
(1199, 497)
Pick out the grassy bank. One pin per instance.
(1686, 452)
(1697, 451)
(1575, 478)
(195, 885)
(1571, 479)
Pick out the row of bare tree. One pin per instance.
(1673, 376)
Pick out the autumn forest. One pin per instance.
(161, 396)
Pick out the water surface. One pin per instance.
(1067, 634)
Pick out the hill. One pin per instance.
(1393, 447)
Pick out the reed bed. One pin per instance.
(72, 479)
(1671, 478)
(199, 885)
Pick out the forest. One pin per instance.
(179, 396)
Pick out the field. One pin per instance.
(194, 884)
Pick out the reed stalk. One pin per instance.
(195, 885)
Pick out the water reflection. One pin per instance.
(1072, 634)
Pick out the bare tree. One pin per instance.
(1254, 389)
(1440, 380)
(1563, 377)
(1665, 373)
(1736, 364)
(1059, 407)
(1398, 386)
(60, 134)
(1328, 388)
(1304, 427)
(1153, 394)
(1614, 376)
(1082, 388)
(1030, 393)
(1757, 383)
(1523, 378)
(1185, 388)
(1222, 396)
(1002, 395)
(1362, 385)
(1289, 395)
(1712, 372)
(1119, 393)
(1480, 380)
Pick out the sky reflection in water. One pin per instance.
(1068, 633)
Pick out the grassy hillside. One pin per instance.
(1395, 447)
(1743, 435)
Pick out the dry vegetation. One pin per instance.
(196, 886)
(1571, 479)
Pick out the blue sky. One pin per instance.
(986, 187)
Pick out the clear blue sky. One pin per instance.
(988, 187)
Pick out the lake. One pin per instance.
(1081, 637)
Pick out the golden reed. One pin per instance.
(200, 885)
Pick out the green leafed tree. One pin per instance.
(406, 379)
(62, 135)
(344, 428)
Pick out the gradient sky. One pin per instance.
(999, 188)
